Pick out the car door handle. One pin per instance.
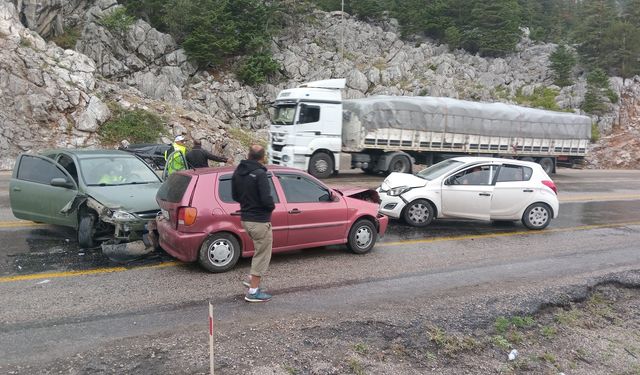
(295, 211)
(236, 213)
(528, 190)
(485, 194)
(17, 189)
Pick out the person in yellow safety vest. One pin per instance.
(114, 174)
(176, 158)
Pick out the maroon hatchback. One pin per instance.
(200, 221)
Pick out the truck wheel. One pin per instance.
(399, 164)
(220, 252)
(547, 165)
(321, 165)
(86, 231)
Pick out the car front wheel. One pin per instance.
(537, 216)
(219, 252)
(419, 213)
(86, 231)
(362, 236)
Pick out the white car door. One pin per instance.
(467, 194)
(513, 192)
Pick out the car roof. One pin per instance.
(270, 168)
(481, 159)
(89, 153)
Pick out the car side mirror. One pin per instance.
(333, 196)
(61, 182)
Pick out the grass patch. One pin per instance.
(356, 367)
(568, 317)
(68, 39)
(595, 132)
(361, 348)
(501, 342)
(136, 126)
(548, 357)
(118, 21)
(245, 138)
(450, 344)
(549, 332)
(290, 370)
(542, 97)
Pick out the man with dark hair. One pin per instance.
(250, 187)
(199, 157)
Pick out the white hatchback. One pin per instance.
(472, 188)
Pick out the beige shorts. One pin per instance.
(262, 238)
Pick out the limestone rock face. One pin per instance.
(45, 92)
(141, 56)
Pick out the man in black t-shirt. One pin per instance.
(199, 157)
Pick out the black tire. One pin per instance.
(399, 164)
(537, 216)
(419, 213)
(219, 252)
(87, 231)
(321, 165)
(362, 236)
(547, 165)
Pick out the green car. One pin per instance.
(106, 195)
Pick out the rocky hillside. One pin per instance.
(59, 98)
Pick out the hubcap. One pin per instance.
(363, 237)
(538, 216)
(220, 252)
(322, 166)
(418, 213)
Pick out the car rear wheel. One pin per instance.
(87, 231)
(362, 236)
(219, 252)
(537, 216)
(419, 213)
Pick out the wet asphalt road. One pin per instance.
(588, 198)
(463, 267)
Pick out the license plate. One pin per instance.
(165, 213)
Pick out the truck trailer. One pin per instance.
(312, 127)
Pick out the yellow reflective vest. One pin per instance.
(176, 161)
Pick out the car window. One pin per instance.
(38, 170)
(224, 189)
(477, 175)
(116, 170)
(67, 163)
(439, 169)
(172, 190)
(514, 173)
(299, 189)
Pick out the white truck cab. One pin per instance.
(307, 127)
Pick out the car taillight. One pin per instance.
(550, 185)
(187, 215)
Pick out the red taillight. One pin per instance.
(187, 215)
(550, 185)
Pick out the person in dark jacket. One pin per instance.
(199, 157)
(250, 187)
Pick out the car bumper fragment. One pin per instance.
(391, 206)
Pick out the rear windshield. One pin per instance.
(173, 188)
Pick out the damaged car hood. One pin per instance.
(131, 198)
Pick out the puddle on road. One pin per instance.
(55, 249)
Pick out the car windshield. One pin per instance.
(284, 114)
(116, 170)
(439, 169)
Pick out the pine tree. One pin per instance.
(562, 63)
(593, 32)
(495, 27)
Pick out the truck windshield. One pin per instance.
(439, 169)
(284, 114)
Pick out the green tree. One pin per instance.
(494, 28)
(594, 31)
(562, 63)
